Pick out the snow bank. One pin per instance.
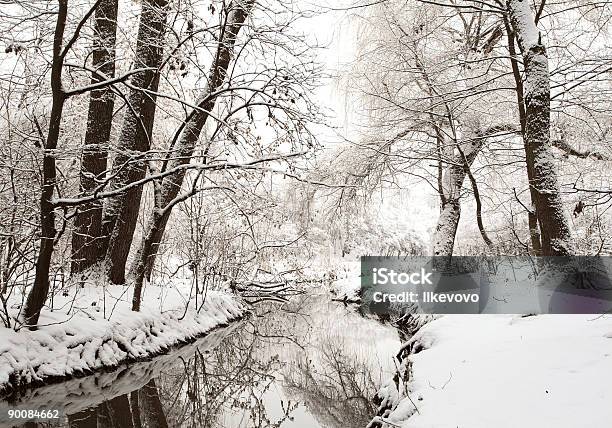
(78, 394)
(81, 337)
(507, 371)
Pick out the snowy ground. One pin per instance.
(508, 371)
(93, 327)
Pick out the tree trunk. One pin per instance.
(121, 212)
(554, 225)
(151, 406)
(534, 232)
(38, 294)
(88, 220)
(183, 151)
(446, 229)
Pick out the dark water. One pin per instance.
(309, 363)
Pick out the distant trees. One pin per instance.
(438, 82)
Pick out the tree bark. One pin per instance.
(121, 212)
(183, 151)
(88, 221)
(38, 294)
(476, 192)
(446, 229)
(534, 232)
(554, 225)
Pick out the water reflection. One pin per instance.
(338, 389)
(309, 363)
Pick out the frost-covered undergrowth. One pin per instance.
(506, 371)
(346, 281)
(94, 328)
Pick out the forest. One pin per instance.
(189, 190)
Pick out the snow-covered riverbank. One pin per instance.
(507, 371)
(97, 329)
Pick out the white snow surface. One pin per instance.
(97, 329)
(508, 371)
(527, 31)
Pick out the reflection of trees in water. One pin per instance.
(337, 387)
(223, 388)
(229, 385)
(142, 408)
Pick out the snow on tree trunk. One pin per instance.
(446, 229)
(88, 220)
(182, 153)
(556, 237)
(121, 212)
(534, 231)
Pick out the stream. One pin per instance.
(308, 363)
